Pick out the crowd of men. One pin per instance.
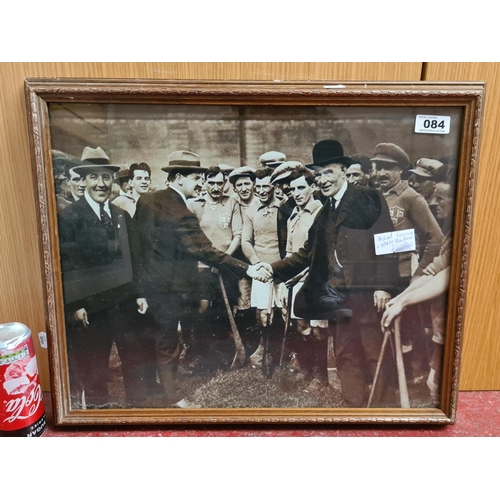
(279, 246)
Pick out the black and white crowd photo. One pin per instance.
(254, 256)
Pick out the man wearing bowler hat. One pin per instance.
(171, 244)
(95, 242)
(347, 282)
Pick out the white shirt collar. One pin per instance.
(127, 195)
(340, 193)
(95, 206)
(177, 191)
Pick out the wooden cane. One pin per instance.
(240, 355)
(403, 387)
(387, 333)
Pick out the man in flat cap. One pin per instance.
(346, 278)
(423, 180)
(243, 182)
(220, 219)
(280, 179)
(260, 243)
(171, 244)
(409, 210)
(97, 278)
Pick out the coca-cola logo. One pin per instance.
(26, 405)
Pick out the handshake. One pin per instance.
(261, 271)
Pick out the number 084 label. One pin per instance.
(430, 124)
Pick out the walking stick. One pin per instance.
(387, 333)
(403, 387)
(240, 355)
(265, 364)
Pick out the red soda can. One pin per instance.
(22, 412)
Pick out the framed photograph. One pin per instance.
(254, 252)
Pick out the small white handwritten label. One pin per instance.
(395, 242)
(431, 124)
(42, 337)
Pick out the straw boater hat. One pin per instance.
(183, 160)
(94, 158)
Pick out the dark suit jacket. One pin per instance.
(345, 236)
(96, 260)
(284, 212)
(172, 243)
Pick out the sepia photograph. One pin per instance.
(268, 257)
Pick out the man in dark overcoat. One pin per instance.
(345, 274)
(97, 271)
(171, 244)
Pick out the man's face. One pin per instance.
(422, 185)
(77, 184)
(141, 181)
(264, 190)
(331, 178)
(244, 188)
(444, 209)
(126, 186)
(191, 184)
(387, 174)
(356, 176)
(301, 191)
(99, 182)
(215, 186)
(285, 189)
(59, 178)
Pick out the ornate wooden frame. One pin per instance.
(468, 96)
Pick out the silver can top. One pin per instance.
(13, 334)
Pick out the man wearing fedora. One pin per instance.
(171, 244)
(347, 282)
(97, 278)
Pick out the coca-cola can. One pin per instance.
(22, 412)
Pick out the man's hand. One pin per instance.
(430, 270)
(261, 271)
(393, 309)
(380, 298)
(81, 316)
(142, 305)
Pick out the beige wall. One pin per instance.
(21, 292)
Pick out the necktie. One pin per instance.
(105, 218)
